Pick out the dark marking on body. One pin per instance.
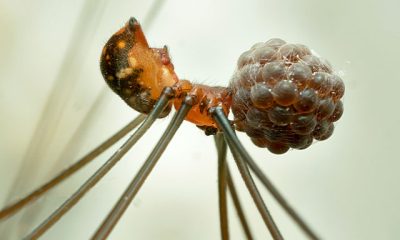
(114, 61)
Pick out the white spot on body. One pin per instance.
(165, 71)
(123, 73)
(133, 62)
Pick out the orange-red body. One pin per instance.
(206, 98)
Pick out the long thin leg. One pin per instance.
(13, 208)
(280, 199)
(222, 183)
(232, 189)
(229, 134)
(267, 183)
(238, 206)
(115, 214)
(102, 171)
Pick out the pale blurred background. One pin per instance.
(55, 107)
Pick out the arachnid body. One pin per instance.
(281, 94)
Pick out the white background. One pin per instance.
(55, 107)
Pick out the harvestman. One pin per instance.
(281, 95)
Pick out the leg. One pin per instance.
(15, 207)
(68, 204)
(222, 183)
(281, 200)
(238, 206)
(230, 136)
(271, 188)
(221, 145)
(111, 220)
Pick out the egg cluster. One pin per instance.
(284, 96)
